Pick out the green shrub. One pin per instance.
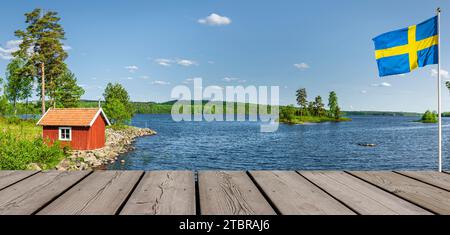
(17, 153)
(429, 117)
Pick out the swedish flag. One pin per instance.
(403, 50)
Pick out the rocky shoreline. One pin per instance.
(117, 142)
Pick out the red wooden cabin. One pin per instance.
(79, 128)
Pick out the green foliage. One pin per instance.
(21, 144)
(318, 108)
(334, 110)
(17, 153)
(116, 111)
(43, 36)
(287, 113)
(5, 107)
(429, 117)
(67, 93)
(117, 106)
(17, 87)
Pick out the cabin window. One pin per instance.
(65, 133)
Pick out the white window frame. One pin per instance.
(65, 128)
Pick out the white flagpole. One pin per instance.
(438, 12)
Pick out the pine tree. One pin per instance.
(67, 92)
(42, 47)
(333, 104)
(302, 100)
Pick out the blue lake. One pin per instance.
(401, 144)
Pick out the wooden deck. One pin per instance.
(224, 192)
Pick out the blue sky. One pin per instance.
(152, 46)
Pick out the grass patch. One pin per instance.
(21, 144)
(312, 119)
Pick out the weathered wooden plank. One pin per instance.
(292, 194)
(163, 193)
(427, 196)
(9, 177)
(431, 177)
(101, 193)
(230, 193)
(360, 196)
(27, 196)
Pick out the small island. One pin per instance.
(312, 111)
(429, 117)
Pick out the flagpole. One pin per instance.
(438, 12)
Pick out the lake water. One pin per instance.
(401, 144)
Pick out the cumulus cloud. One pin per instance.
(131, 68)
(186, 63)
(169, 62)
(158, 82)
(444, 73)
(233, 79)
(230, 79)
(164, 62)
(10, 47)
(215, 20)
(363, 91)
(383, 84)
(302, 66)
(144, 77)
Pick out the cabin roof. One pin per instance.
(71, 117)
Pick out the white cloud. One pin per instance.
(94, 78)
(230, 79)
(233, 79)
(144, 77)
(10, 47)
(186, 63)
(444, 73)
(164, 62)
(129, 78)
(363, 91)
(302, 66)
(131, 68)
(169, 62)
(215, 19)
(157, 82)
(383, 84)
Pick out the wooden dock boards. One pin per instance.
(9, 177)
(292, 194)
(360, 196)
(163, 193)
(230, 193)
(441, 180)
(223, 192)
(425, 195)
(27, 196)
(101, 193)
